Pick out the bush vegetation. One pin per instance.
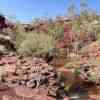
(33, 43)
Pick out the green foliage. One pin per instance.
(34, 43)
(71, 9)
(20, 34)
(77, 71)
(56, 30)
(76, 25)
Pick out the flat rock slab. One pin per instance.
(25, 92)
(22, 93)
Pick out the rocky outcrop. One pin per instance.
(90, 63)
(29, 72)
(21, 92)
(6, 36)
(6, 43)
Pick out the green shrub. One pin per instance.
(34, 43)
(20, 34)
(57, 31)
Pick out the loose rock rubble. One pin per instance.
(90, 63)
(30, 72)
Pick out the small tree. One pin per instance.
(71, 9)
(83, 7)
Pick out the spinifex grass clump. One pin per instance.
(33, 43)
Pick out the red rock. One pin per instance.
(1, 63)
(24, 67)
(25, 92)
(11, 77)
(67, 73)
(94, 97)
(60, 45)
(10, 68)
(19, 71)
(66, 98)
(30, 76)
(4, 60)
(43, 91)
(3, 87)
(6, 97)
(12, 60)
(23, 77)
(44, 97)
